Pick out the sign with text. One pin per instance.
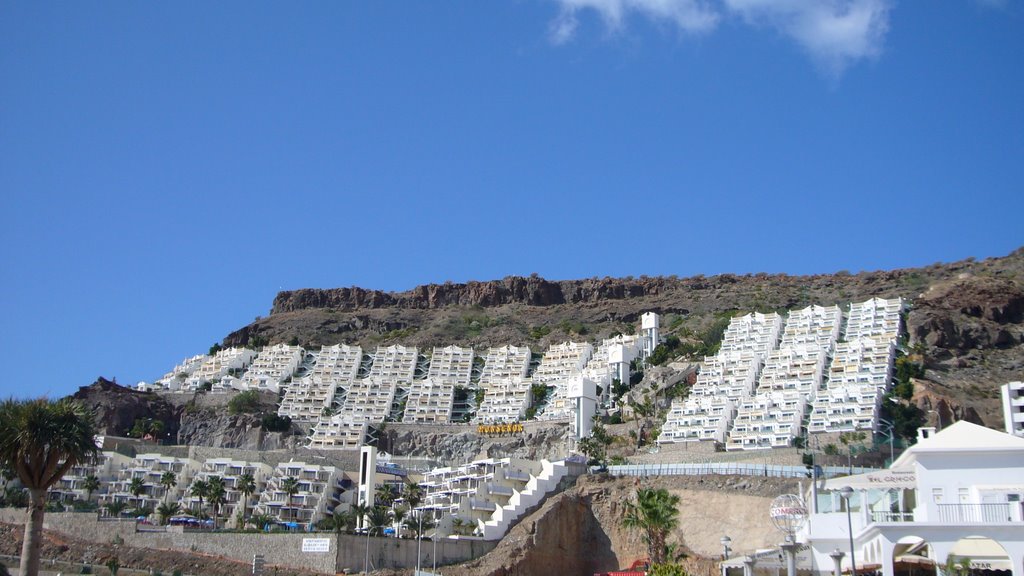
(316, 544)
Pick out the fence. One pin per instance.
(736, 468)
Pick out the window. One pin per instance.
(937, 495)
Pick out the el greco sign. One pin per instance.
(889, 479)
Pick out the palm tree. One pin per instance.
(247, 486)
(91, 484)
(413, 494)
(165, 511)
(136, 487)
(115, 508)
(290, 486)
(40, 441)
(379, 517)
(261, 520)
(384, 495)
(655, 513)
(399, 514)
(359, 513)
(217, 495)
(168, 480)
(200, 489)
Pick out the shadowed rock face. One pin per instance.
(117, 408)
(968, 313)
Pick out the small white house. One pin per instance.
(953, 499)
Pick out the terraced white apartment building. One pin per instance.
(222, 364)
(71, 486)
(150, 468)
(230, 471)
(560, 364)
(328, 382)
(176, 378)
(505, 386)
(272, 367)
(430, 400)
(319, 491)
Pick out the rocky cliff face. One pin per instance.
(117, 408)
(189, 419)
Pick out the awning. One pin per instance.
(881, 480)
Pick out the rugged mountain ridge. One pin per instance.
(966, 317)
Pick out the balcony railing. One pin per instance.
(975, 513)
(891, 517)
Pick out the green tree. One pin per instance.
(247, 486)
(595, 446)
(655, 514)
(667, 570)
(642, 410)
(115, 508)
(168, 480)
(261, 521)
(91, 484)
(359, 514)
(113, 564)
(290, 486)
(384, 495)
(217, 496)
(40, 441)
(136, 487)
(379, 518)
(200, 489)
(166, 510)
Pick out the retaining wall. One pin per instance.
(345, 552)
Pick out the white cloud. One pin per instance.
(692, 16)
(835, 33)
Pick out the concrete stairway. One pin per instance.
(537, 488)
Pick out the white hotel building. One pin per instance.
(505, 386)
(954, 497)
(332, 375)
(272, 367)
(319, 491)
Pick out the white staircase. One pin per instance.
(537, 488)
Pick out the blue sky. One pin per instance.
(166, 168)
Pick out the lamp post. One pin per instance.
(837, 559)
(726, 541)
(419, 542)
(846, 492)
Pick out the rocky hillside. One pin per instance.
(186, 419)
(966, 317)
(580, 530)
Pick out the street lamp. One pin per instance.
(725, 547)
(837, 559)
(846, 492)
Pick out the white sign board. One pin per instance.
(316, 544)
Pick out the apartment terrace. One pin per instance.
(768, 420)
(338, 432)
(874, 318)
(335, 368)
(319, 491)
(754, 332)
(230, 471)
(228, 360)
(150, 468)
(71, 486)
(503, 364)
(272, 367)
(174, 379)
(818, 325)
(504, 401)
(430, 402)
(794, 368)
(451, 365)
(394, 363)
(698, 419)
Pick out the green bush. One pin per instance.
(247, 402)
(275, 423)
